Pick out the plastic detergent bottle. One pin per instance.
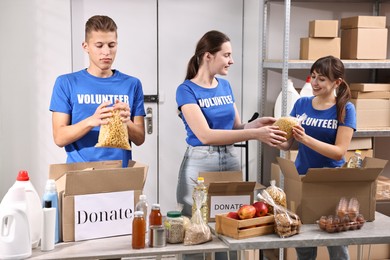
(34, 207)
(200, 191)
(15, 242)
(292, 97)
(51, 195)
(307, 89)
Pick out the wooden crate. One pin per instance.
(245, 228)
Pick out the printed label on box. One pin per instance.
(223, 204)
(103, 214)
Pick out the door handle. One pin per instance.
(149, 120)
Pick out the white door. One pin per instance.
(156, 40)
(136, 56)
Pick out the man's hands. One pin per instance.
(104, 111)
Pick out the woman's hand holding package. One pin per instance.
(299, 134)
(260, 122)
(271, 135)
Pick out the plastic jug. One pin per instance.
(34, 206)
(15, 242)
(292, 97)
(307, 89)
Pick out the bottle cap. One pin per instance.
(23, 176)
(50, 186)
(155, 206)
(201, 179)
(173, 214)
(308, 79)
(47, 204)
(138, 214)
(142, 197)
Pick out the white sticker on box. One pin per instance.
(224, 204)
(103, 214)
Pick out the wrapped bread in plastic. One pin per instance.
(286, 124)
(277, 194)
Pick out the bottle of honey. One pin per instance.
(155, 217)
(139, 228)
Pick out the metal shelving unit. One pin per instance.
(284, 64)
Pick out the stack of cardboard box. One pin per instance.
(364, 37)
(323, 40)
(372, 103)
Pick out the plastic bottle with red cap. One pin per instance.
(34, 206)
(307, 89)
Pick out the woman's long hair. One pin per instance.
(210, 42)
(333, 68)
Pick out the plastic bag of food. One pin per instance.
(197, 232)
(277, 194)
(114, 134)
(287, 223)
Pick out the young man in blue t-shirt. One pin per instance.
(83, 101)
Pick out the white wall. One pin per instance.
(35, 48)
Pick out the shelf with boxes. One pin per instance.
(289, 65)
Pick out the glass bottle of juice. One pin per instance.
(155, 217)
(139, 227)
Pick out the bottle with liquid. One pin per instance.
(200, 191)
(48, 226)
(142, 205)
(155, 217)
(356, 160)
(307, 89)
(139, 227)
(51, 195)
(34, 206)
(292, 97)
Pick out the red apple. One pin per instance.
(246, 212)
(261, 208)
(232, 215)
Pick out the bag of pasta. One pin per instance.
(198, 231)
(287, 223)
(114, 134)
(277, 194)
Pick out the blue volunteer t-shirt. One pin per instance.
(321, 125)
(78, 94)
(217, 105)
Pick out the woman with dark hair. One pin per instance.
(210, 116)
(325, 134)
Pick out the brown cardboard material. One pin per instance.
(372, 113)
(323, 28)
(362, 43)
(228, 183)
(366, 87)
(363, 22)
(314, 48)
(318, 192)
(370, 94)
(100, 177)
(360, 143)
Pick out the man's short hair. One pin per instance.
(99, 23)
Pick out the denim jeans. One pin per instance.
(202, 159)
(335, 253)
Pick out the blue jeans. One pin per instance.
(335, 253)
(202, 159)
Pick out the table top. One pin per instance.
(376, 232)
(117, 247)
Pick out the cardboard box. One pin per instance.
(364, 43)
(245, 228)
(366, 87)
(318, 192)
(227, 191)
(98, 182)
(370, 95)
(372, 113)
(360, 143)
(314, 48)
(363, 22)
(323, 28)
